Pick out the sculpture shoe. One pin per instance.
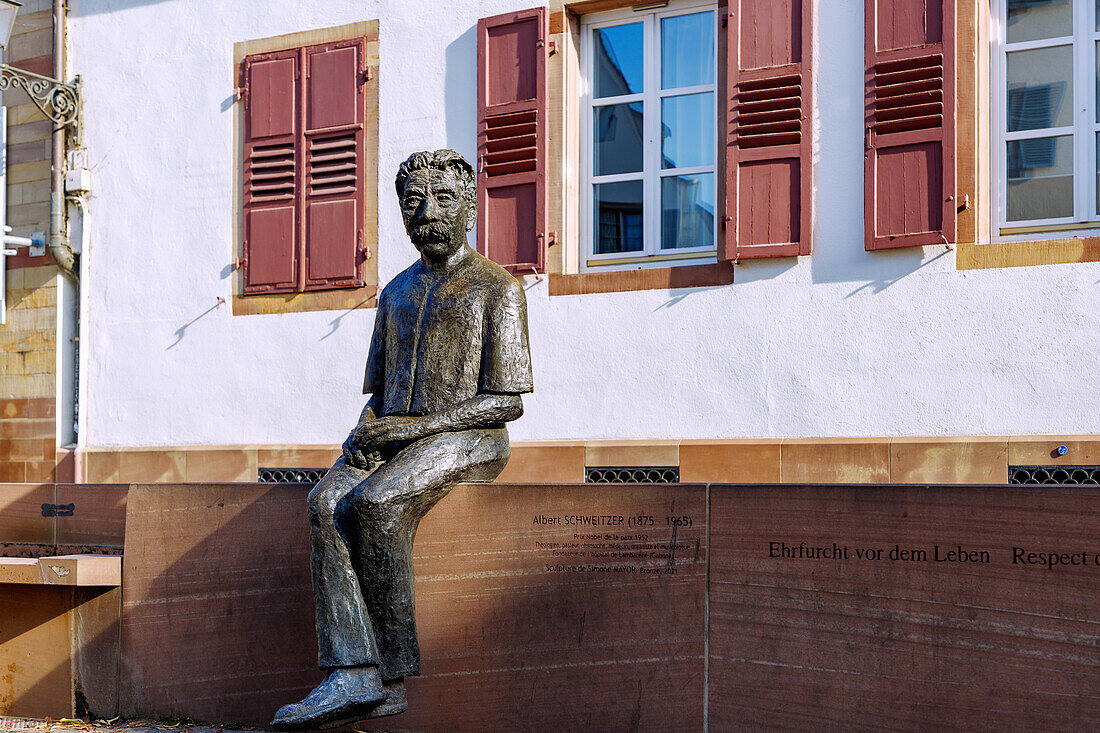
(396, 701)
(345, 696)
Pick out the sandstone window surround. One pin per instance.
(307, 142)
(989, 235)
(1045, 117)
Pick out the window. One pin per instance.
(1046, 115)
(650, 139)
(599, 139)
(307, 132)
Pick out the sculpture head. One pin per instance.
(438, 194)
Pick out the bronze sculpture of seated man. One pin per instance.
(447, 364)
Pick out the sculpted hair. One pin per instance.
(443, 160)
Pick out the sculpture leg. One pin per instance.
(345, 637)
(386, 509)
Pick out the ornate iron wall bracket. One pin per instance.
(57, 100)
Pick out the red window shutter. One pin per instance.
(769, 137)
(512, 138)
(270, 173)
(909, 184)
(334, 174)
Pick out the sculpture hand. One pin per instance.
(389, 430)
(356, 456)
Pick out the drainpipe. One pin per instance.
(60, 250)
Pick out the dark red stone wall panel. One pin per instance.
(906, 645)
(218, 616)
(525, 645)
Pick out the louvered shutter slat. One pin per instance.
(910, 123)
(769, 136)
(512, 139)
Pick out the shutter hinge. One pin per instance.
(552, 240)
(240, 263)
(964, 203)
(368, 74)
(364, 248)
(552, 48)
(520, 269)
(869, 140)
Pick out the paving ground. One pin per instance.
(27, 725)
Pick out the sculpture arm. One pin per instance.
(481, 411)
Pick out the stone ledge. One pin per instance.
(68, 570)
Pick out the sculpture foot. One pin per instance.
(396, 701)
(346, 695)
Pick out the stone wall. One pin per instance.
(28, 342)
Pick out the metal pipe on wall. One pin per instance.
(60, 250)
(68, 288)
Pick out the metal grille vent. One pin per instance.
(332, 165)
(909, 94)
(271, 172)
(291, 475)
(632, 475)
(510, 143)
(1054, 474)
(769, 111)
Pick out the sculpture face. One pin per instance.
(435, 211)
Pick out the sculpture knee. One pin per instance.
(376, 505)
(322, 503)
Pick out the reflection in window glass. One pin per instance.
(687, 50)
(618, 225)
(687, 124)
(1040, 178)
(1028, 20)
(618, 139)
(1040, 89)
(687, 211)
(618, 60)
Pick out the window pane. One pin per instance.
(617, 132)
(618, 62)
(687, 211)
(1040, 89)
(1040, 178)
(618, 225)
(687, 50)
(687, 126)
(1031, 19)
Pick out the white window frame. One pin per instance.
(1086, 218)
(651, 96)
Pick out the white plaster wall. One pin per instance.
(842, 343)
